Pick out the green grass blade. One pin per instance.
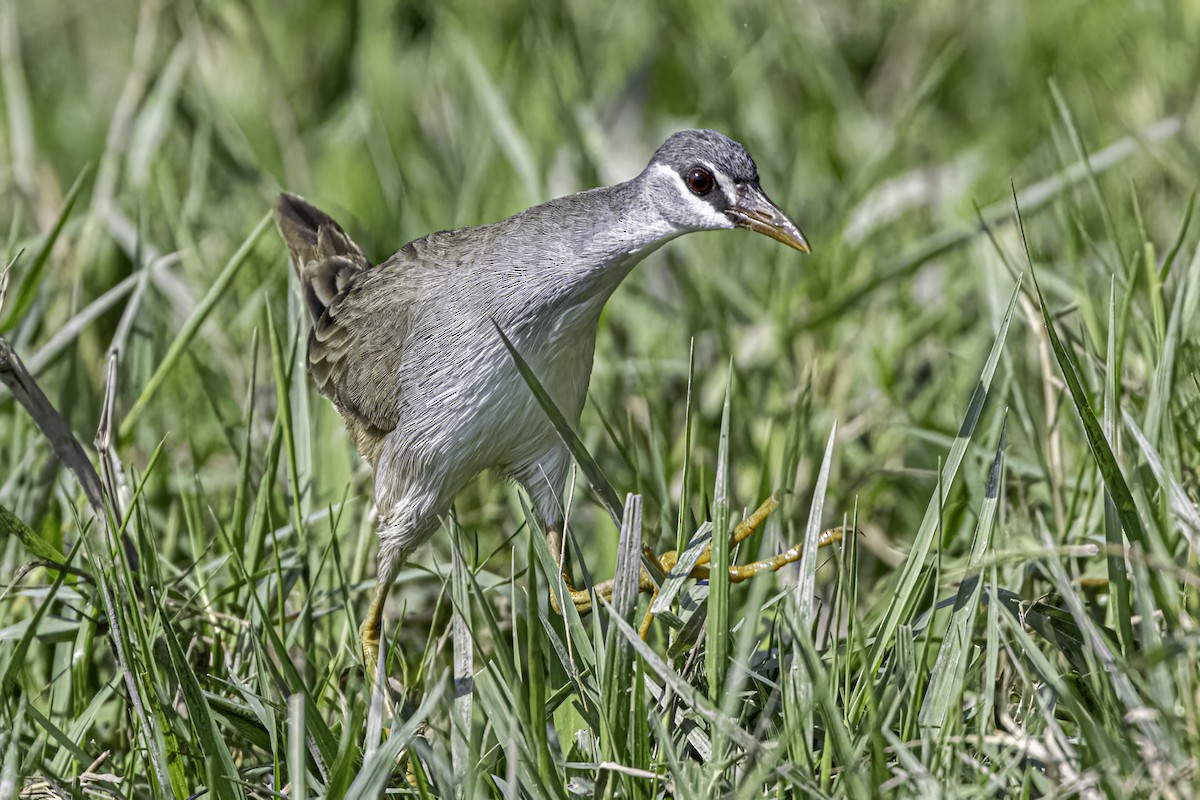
(685, 478)
(12, 525)
(33, 280)
(1081, 152)
(1185, 222)
(1183, 506)
(591, 470)
(241, 498)
(716, 653)
(1118, 576)
(280, 363)
(1033, 198)
(208, 735)
(579, 643)
(910, 574)
(687, 693)
(16, 659)
(1162, 385)
(1106, 462)
(56, 733)
(191, 327)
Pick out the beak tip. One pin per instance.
(754, 210)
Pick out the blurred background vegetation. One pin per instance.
(881, 127)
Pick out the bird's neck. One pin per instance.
(607, 232)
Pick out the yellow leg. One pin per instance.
(582, 598)
(737, 573)
(369, 631)
(389, 564)
(742, 532)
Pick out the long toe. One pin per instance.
(368, 639)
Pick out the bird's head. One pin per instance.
(703, 180)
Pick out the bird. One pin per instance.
(410, 354)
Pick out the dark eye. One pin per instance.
(700, 181)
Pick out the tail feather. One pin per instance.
(324, 257)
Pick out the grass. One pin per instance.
(989, 371)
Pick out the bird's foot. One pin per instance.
(582, 598)
(368, 640)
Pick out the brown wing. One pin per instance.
(324, 257)
(354, 356)
(354, 349)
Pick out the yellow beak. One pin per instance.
(754, 210)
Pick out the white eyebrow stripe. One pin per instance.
(715, 218)
(724, 182)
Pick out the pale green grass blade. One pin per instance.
(283, 672)
(280, 363)
(1032, 199)
(241, 498)
(460, 631)
(991, 654)
(680, 574)
(807, 580)
(57, 344)
(503, 675)
(535, 675)
(153, 123)
(10, 742)
(685, 478)
(1133, 707)
(297, 752)
(1081, 153)
(1162, 386)
(191, 327)
(616, 679)
(377, 768)
(496, 699)
(1024, 644)
(843, 749)
(688, 695)
(1185, 222)
(33, 280)
(1183, 506)
(916, 776)
(949, 672)
(799, 704)
(579, 642)
(68, 744)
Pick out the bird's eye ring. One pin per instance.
(700, 181)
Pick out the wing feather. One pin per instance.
(360, 321)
